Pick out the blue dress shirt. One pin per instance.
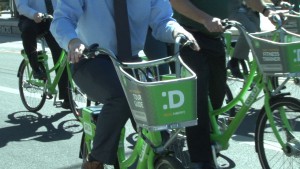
(92, 21)
(29, 7)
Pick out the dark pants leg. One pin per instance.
(98, 79)
(56, 52)
(155, 49)
(209, 65)
(29, 33)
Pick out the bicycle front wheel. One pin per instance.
(271, 154)
(31, 90)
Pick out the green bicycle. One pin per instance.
(158, 103)
(234, 84)
(34, 92)
(277, 135)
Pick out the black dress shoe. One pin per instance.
(39, 74)
(66, 104)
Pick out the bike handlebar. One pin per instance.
(183, 40)
(94, 49)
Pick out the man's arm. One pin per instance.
(259, 6)
(65, 20)
(186, 8)
(24, 9)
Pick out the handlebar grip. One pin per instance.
(183, 39)
(277, 19)
(287, 5)
(46, 17)
(90, 51)
(227, 24)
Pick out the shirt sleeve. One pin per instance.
(24, 9)
(162, 22)
(63, 26)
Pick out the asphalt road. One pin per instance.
(46, 139)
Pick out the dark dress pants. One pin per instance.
(155, 49)
(29, 33)
(98, 79)
(209, 65)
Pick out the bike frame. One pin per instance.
(142, 151)
(59, 67)
(223, 138)
(262, 83)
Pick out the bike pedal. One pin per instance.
(58, 104)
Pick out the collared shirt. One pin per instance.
(29, 7)
(94, 22)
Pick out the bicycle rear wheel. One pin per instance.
(270, 152)
(77, 99)
(31, 90)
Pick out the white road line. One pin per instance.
(16, 91)
(9, 90)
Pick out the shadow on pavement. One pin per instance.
(8, 38)
(247, 127)
(35, 126)
(227, 163)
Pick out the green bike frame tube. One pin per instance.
(142, 151)
(223, 138)
(272, 121)
(60, 65)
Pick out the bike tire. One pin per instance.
(228, 98)
(33, 97)
(270, 153)
(77, 99)
(83, 149)
(168, 162)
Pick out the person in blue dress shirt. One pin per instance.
(31, 25)
(79, 24)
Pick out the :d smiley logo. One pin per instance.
(175, 97)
